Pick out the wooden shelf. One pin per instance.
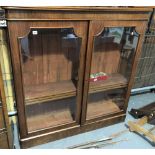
(49, 92)
(50, 119)
(115, 81)
(99, 105)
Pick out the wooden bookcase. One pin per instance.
(6, 138)
(54, 52)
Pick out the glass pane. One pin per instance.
(102, 103)
(50, 113)
(50, 62)
(111, 66)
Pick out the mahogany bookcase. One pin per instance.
(55, 51)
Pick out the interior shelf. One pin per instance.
(50, 119)
(50, 91)
(102, 108)
(100, 105)
(113, 82)
(51, 113)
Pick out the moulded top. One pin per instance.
(81, 8)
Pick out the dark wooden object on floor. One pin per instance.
(54, 52)
(5, 128)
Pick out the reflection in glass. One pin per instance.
(50, 62)
(113, 48)
(111, 66)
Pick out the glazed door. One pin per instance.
(111, 57)
(49, 84)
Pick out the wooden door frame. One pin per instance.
(140, 27)
(14, 34)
